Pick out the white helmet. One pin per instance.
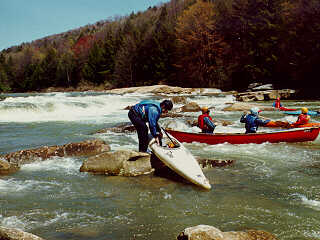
(255, 111)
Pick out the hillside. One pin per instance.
(225, 44)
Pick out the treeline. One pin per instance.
(226, 44)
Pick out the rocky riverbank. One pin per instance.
(99, 158)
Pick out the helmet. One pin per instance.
(167, 104)
(304, 110)
(255, 111)
(205, 109)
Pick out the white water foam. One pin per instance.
(62, 108)
(14, 186)
(314, 204)
(66, 165)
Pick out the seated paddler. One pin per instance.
(303, 118)
(252, 120)
(205, 122)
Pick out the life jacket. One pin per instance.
(302, 119)
(201, 123)
(277, 104)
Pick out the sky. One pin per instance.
(23, 21)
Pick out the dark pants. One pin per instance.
(142, 130)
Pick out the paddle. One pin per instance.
(282, 124)
(168, 135)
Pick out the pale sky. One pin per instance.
(28, 20)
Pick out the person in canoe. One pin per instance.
(205, 122)
(277, 104)
(148, 111)
(303, 118)
(252, 120)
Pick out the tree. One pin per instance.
(200, 46)
(253, 29)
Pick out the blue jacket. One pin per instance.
(149, 111)
(252, 122)
(210, 125)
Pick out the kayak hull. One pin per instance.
(290, 135)
(287, 109)
(311, 113)
(283, 124)
(180, 160)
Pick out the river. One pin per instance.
(271, 187)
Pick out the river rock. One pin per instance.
(244, 106)
(16, 234)
(7, 168)
(190, 107)
(119, 163)
(265, 95)
(211, 163)
(206, 232)
(155, 89)
(179, 100)
(85, 148)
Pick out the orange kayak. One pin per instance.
(283, 124)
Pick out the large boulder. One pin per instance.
(16, 234)
(7, 168)
(205, 232)
(190, 107)
(265, 95)
(119, 163)
(163, 90)
(244, 106)
(85, 148)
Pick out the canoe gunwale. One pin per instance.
(287, 135)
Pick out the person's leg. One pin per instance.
(142, 131)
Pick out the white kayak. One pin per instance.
(179, 159)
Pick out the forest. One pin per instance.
(224, 44)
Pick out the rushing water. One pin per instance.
(272, 187)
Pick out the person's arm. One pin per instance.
(261, 122)
(243, 117)
(209, 123)
(153, 117)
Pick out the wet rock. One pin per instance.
(16, 234)
(7, 168)
(243, 106)
(85, 148)
(161, 90)
(211, 163)
(265, 95)
(205, 232)
(119, 163)
(179, 100)
(122, 128)
(190, 107)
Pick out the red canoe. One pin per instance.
(288, 135)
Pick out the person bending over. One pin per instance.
(148, 111)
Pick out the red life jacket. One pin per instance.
(277, 104)
(201, 123)
(302, 119)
